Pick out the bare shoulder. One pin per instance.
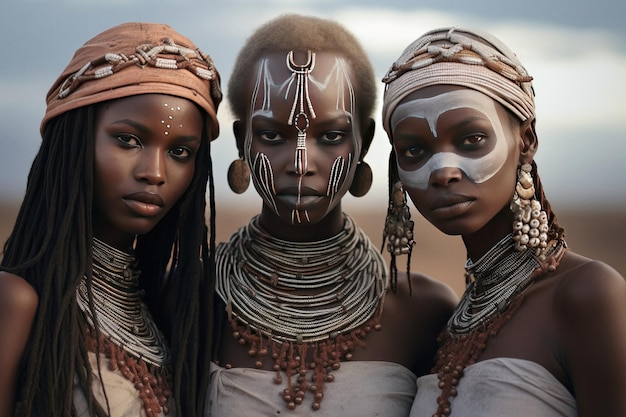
(427, 301)
(588, 285)
(590, 306)
(424, 292)
(412, 320)
(18, 299)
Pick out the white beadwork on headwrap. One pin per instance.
(460, 57)
(179, 57)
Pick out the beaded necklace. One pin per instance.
(311, 303)
(496, 285)
(128, 335)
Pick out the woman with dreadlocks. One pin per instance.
(103, 274)
(539, 330)
(302, 288)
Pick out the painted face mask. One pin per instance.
(477, 169)
(302, 95)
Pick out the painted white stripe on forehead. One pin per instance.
(477, 169)
(431, 108)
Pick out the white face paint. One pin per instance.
(477, 169)
(300, 96)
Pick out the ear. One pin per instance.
(239, 131)
(367, 136)
(529, 143)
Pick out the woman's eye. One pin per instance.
(182, 153)
(128, 140)
(474, 140)
(269, 136)
(413, 153)
(332, 137)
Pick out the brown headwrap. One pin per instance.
(137, 58)
(463, 57)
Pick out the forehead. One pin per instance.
(325, 63)
(328, 78)
(432, 102)
(445, 97)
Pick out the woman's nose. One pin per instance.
(151, 167)
(443, 176)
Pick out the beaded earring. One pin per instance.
(362, 181)
(398, 231)
(530, 222)
(238, 176)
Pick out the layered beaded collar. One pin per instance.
(119, 310)
(492, 283)
(308, 304)
(496, 286)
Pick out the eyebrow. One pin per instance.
(339, 119)
(469, 120)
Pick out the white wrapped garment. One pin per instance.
(360, 389)
(499, 387)
(122, 395)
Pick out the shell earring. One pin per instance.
(530, 222)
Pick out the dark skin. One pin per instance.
(572, 322)
(410, 323)
(140, 174)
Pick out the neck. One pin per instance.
(278, 227)
(479, 242)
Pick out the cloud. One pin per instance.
(577, 70)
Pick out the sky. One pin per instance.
(574, 49)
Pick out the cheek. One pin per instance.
(180, 181)
(109, 171)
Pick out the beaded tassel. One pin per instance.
(152, 382)
(294, 360)
(398, 231)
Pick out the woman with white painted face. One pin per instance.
(539, 330)
(304, 331)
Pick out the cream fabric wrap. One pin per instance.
(499, 387)
(432, 60)
(360, 389)
(122, 395)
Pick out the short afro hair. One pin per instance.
(292, 32)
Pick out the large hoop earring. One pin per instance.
(362, 181)
(238, 176)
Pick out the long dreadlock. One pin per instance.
(50, 247)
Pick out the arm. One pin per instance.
(591, 311)
(420, 317)
(18, 305)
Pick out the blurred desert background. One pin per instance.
(599, 234)
(574, 49)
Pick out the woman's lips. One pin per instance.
(144, 203)
(451, 205)
(301, 201)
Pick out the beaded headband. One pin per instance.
(136, 58)
(462, 57)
